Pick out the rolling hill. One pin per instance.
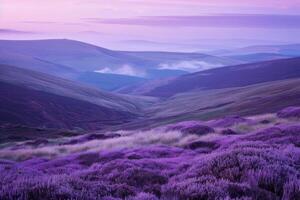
(226, 77)
(258, 57)
(10, 57)
(292, 50)
(204, 105)
(36, 99)
(259, 53)
(190, 62)
(52, 56)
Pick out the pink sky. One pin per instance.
(115, 22)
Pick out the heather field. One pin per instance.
(240, 158)
(149, 100)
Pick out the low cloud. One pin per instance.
(190, 66)
(123, 70)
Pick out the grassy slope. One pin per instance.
(36, 99)
(209, 104)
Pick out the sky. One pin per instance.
(171, 25)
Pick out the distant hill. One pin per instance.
(57, 56)
(226, 77)
(258, 57)
(15, 58)
(183, 61)
(292, 50)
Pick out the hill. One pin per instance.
(258, 57)
(37, 99)
(82, 57)
(209, 104)
(292, 50)
(228, 77)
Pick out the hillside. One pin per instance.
(209, 104)
(227, 77)
(13, 58)
(37, 99)
(254, 157)
(242, 101)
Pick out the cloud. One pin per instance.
(39, 22)
(13, 31)
(221, 20)
(190, 66)
(123, 70)
(53, 23)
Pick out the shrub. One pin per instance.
(291, 189)
(209, 146)
(238, 170)
(144, 196)
(277, 135)
(263, 164)
(228, 132)
(290, 112)
(191, 127)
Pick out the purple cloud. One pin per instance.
(231, 20)
(53, 23)
(39, 22)
(13, 31)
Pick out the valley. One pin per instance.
(141, 128)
